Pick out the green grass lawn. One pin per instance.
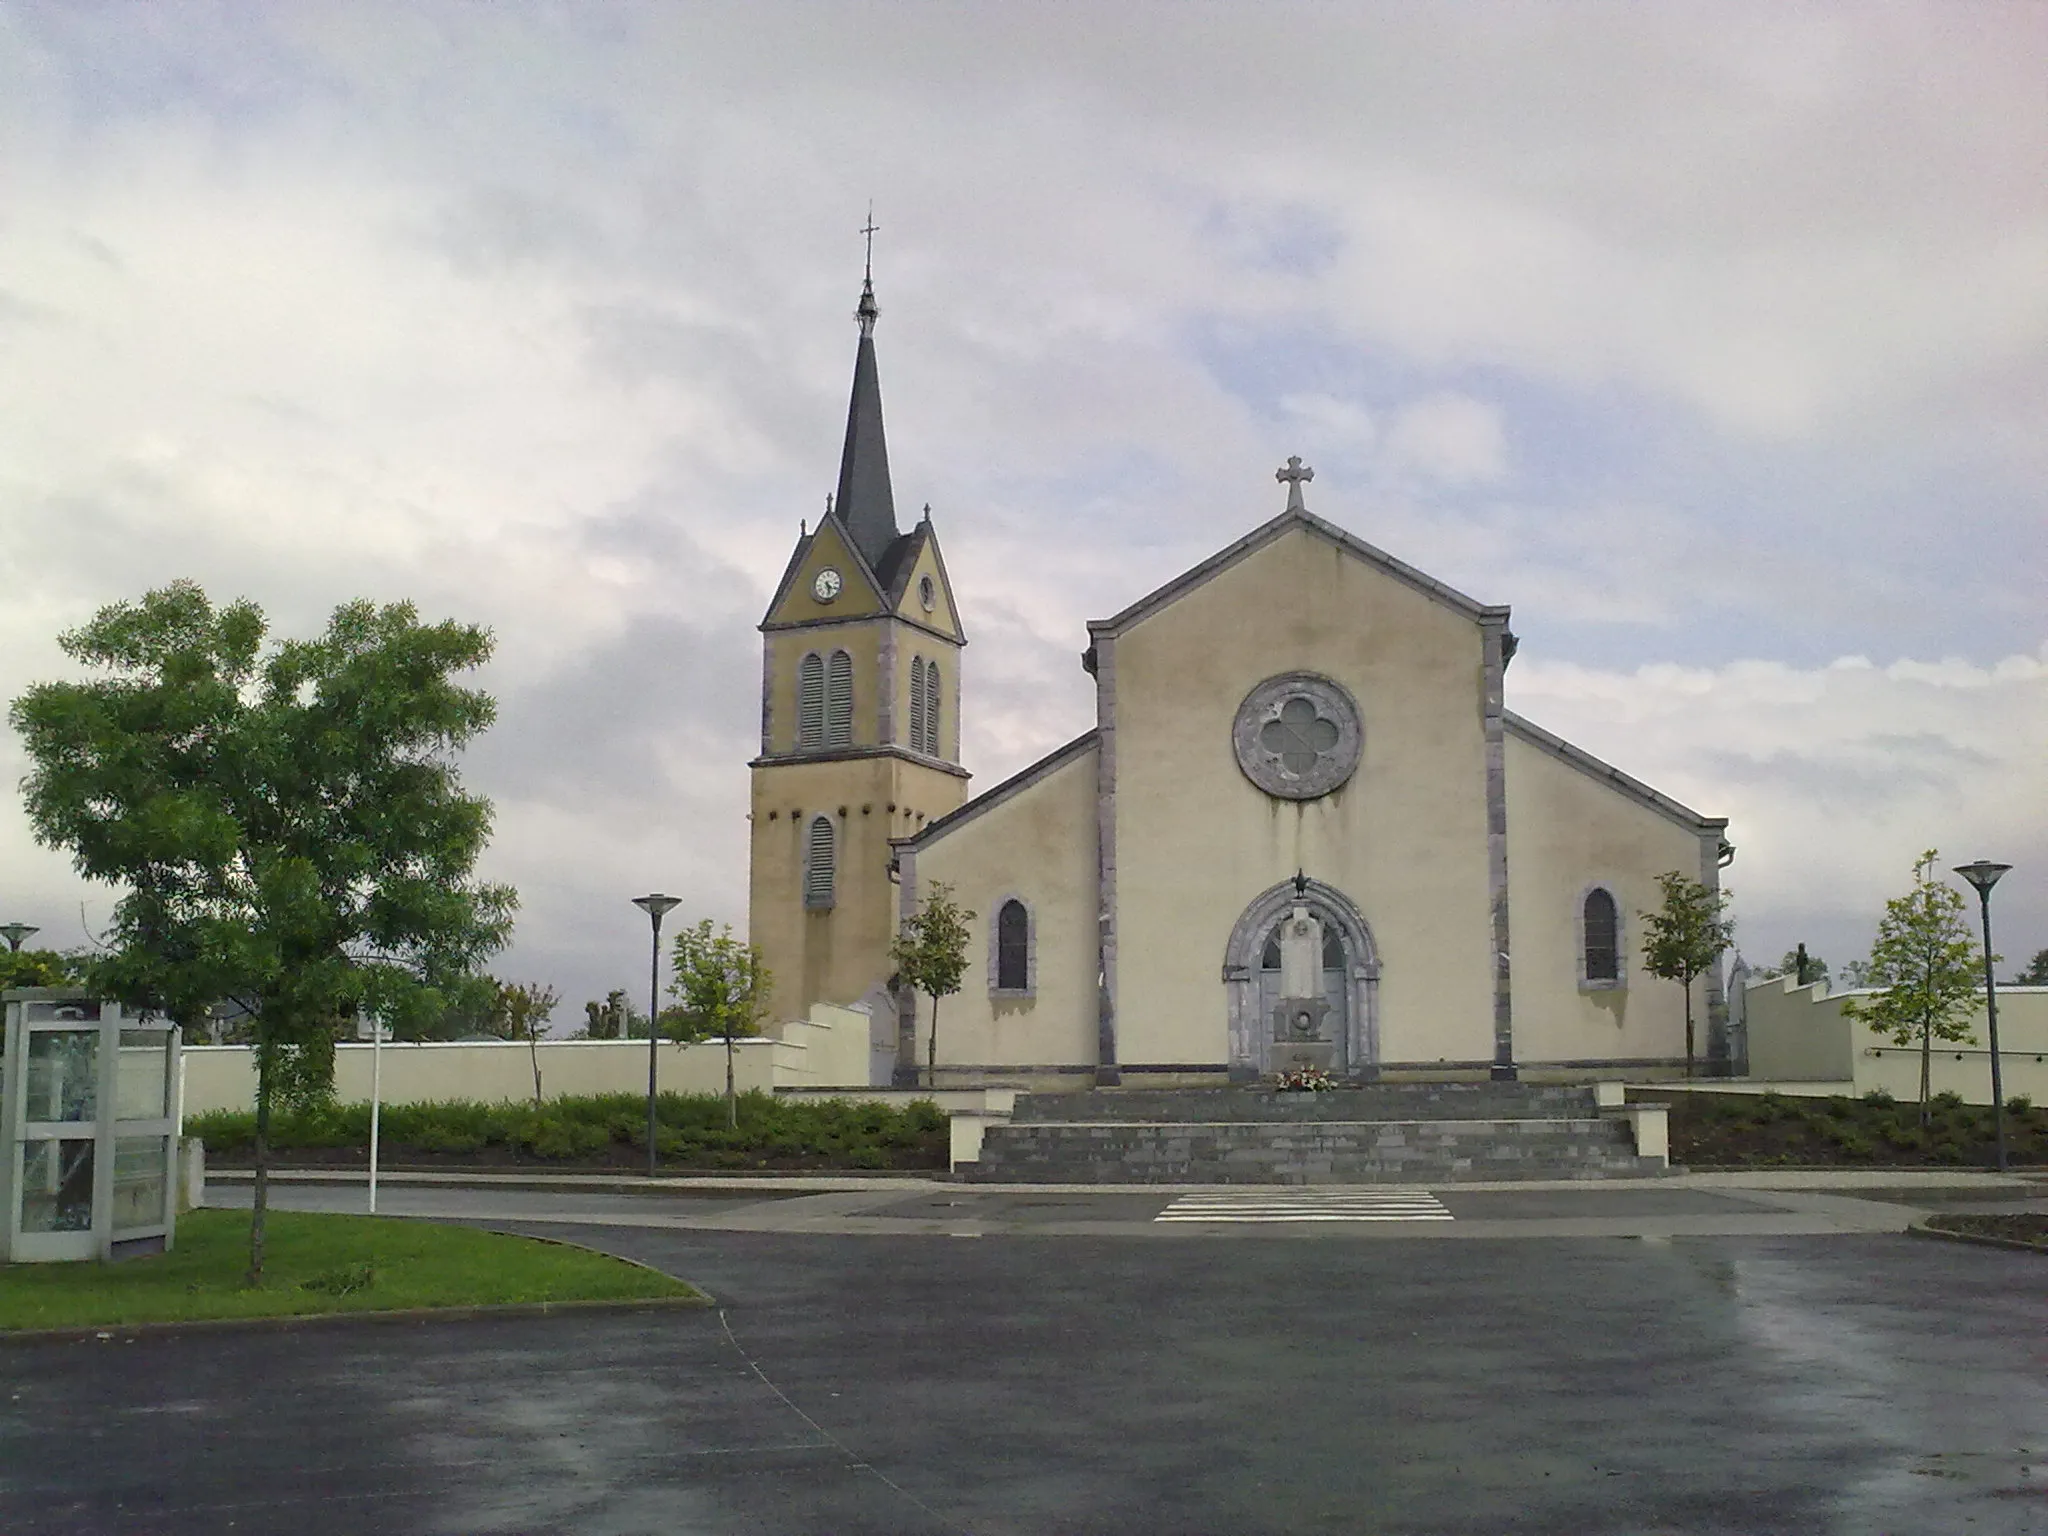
(318, 1264)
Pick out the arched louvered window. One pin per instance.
(818, 864)
(1013, 947)
(932, 685)
(917, 703)
(839, 701)
(1602, 928)
(810, 702)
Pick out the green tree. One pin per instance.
(1927, 967)
(287, 822)
(607, 1020)
(39, 968)
(2036, 973)
(1684, 937)
(526, 1008)
(722, 984)
(930, 956)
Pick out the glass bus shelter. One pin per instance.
(88, 1113)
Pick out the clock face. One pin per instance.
(826, 587)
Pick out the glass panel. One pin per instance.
(140, 1166)
(63, 1074)
(142, 1075)
(56, 1186)
(37, 1013)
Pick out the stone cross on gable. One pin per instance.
(1292, 477)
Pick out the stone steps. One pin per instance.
(1374, 1101)
(1307, 1150)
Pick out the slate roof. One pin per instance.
(865, 502)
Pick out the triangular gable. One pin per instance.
(860, 595)
(1009, 789)
(1268, 533)
(1606, 773)
(919, 558)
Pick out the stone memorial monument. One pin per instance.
(1299, 1037)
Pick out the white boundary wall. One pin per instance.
(1800, 1035)
(829, 1050)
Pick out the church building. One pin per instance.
(1304, 830)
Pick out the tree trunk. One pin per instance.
(732, 1099)
(533, 1050)
(260, 1204)
(1926, 1068)
(1688, 1026)
(931, 1048)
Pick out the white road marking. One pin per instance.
(1296, 1203)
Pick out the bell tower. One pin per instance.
(860, 721)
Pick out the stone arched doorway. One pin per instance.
(1351, 969)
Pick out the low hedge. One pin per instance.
(605, 1128)
(1725, 1129)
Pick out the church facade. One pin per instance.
(1303, 831)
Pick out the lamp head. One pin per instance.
(657, 906)
(14, 933)
(1983, 874)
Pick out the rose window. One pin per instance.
(1298, 736)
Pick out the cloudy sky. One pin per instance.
(1713, 339)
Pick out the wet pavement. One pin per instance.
(1249, 1382)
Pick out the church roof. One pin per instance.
(1014, 785)
(1608, 774)
(865, 502)
(1296, 516)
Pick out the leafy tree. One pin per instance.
(2036, 973)
(526, 1008)
(287, 822)
(607, 1020)
(1856, 974)
(39, 968)
(930, 956)
(1928, 967)
(1684, 937)
(723, 984)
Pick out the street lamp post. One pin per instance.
(656, 906)
(1984, 874)
(14, 933)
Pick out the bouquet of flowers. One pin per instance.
(1306, 1080)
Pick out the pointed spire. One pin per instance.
(866, 505)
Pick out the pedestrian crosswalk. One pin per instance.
(1306, 1203)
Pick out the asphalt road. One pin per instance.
(1243, 1384)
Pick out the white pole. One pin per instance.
(376, 1096)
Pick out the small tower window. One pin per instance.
(1602, 950)
(818, 865)
(810, 702)
(917, 703)
(1013, 947)
(932, 685)
(839, 701)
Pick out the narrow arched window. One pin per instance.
(917, 703)
(818, 864)
(932, 685)
(1603, 937)
(1013, 947)
(810, 701)
(839, 701)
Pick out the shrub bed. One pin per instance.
(2012, 1227)
(599, 1131)
(1774, 1130)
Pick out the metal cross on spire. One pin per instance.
(869, 310)
(1292, 477)
(869, 229)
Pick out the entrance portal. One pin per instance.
(1349, 981)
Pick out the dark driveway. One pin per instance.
(928, 1384)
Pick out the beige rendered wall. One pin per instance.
(785, 651)
(1567, 832)
(836, 955)
(1038, 846)
(1405, 839)
(1798, 1033)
